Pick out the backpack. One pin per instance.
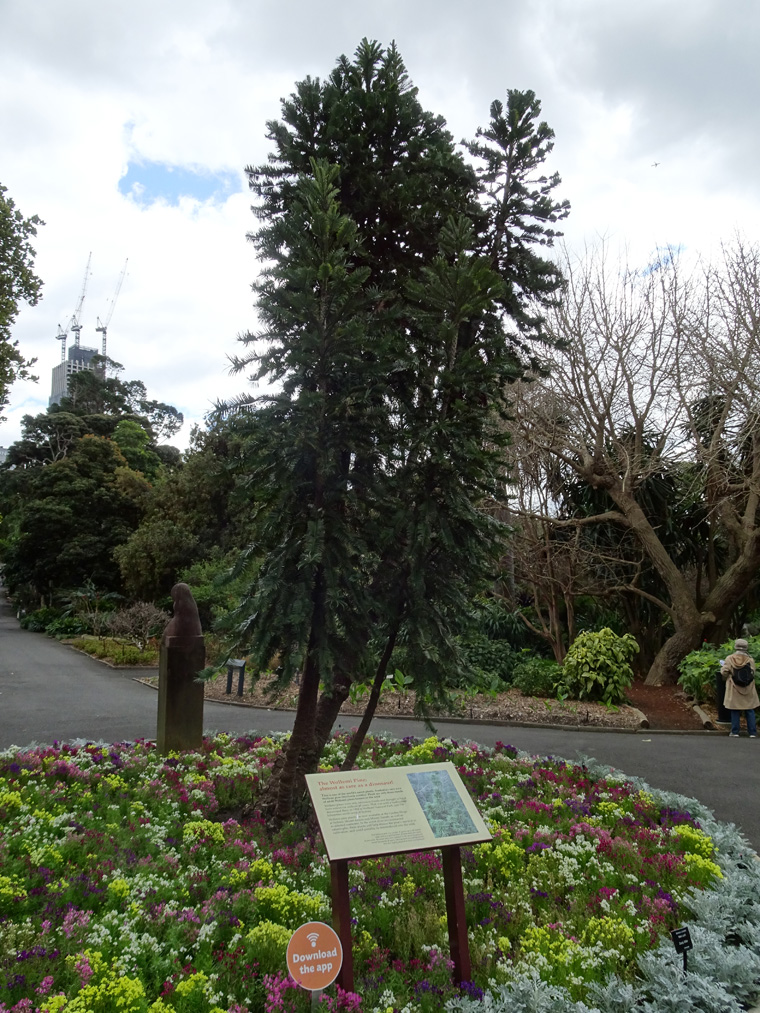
(743, 676)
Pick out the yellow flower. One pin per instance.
(694, 841)
(203, 828)
(53, 1004)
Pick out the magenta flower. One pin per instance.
(45, 985)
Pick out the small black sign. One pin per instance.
(681, 940)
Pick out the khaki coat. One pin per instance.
(738, 698)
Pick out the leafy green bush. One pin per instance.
(536, 676)
(698, 671)
(38, 621)
(216, 592)
(699, 668)
(67, 626)
(597, 666)
(493, 619)
(492, 660)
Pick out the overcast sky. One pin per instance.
(126, 127)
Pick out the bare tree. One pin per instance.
(658, 377)
(138, 623)
(549, 563)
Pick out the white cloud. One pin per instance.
(87, 87)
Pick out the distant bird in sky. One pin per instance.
(655, 164)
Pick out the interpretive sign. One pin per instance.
(314, 956)
(363, 813)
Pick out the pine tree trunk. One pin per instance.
(328, 709)
(300, 754)
(369, 711)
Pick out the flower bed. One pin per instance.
(130, 882)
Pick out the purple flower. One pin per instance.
(471, 989)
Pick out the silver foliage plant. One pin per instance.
(723, 974)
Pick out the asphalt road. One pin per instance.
(50, 692)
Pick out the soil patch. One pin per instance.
(666, 707)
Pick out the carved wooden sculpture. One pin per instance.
(180, 695)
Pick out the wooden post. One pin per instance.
(455, 915)
(341, 909)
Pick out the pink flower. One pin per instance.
(73, 920)
(45, 985)
(84, 970)
(276, 987)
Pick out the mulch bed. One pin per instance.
(666, 707)
(509, 707)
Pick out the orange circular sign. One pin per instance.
(314, 956)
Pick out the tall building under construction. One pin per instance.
(79, 358)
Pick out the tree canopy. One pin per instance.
(400, 295)
(18, 283)
(77, 484)
(652, 409)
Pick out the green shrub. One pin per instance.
(127, 654)
(83, 645)
(493, 661)
(38, 621)
(597, 667)
(699, 668)
(215, 592)
(536, 676)
(495, 621)
(67, 626)
(698, 671)
(116, 652)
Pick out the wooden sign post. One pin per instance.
(366, 813)
(455, 917)
(341, 912)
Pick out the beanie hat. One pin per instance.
(740, 645)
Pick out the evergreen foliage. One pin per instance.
(67, 519)
(308, 440)
(77, 485)
(192, 513)
(699, 668)
(520, 209)
(18, 283)
(398, 299)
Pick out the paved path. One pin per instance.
(49, 691)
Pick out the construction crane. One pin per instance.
(102, 328)
(62, 336)
(74, 324)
